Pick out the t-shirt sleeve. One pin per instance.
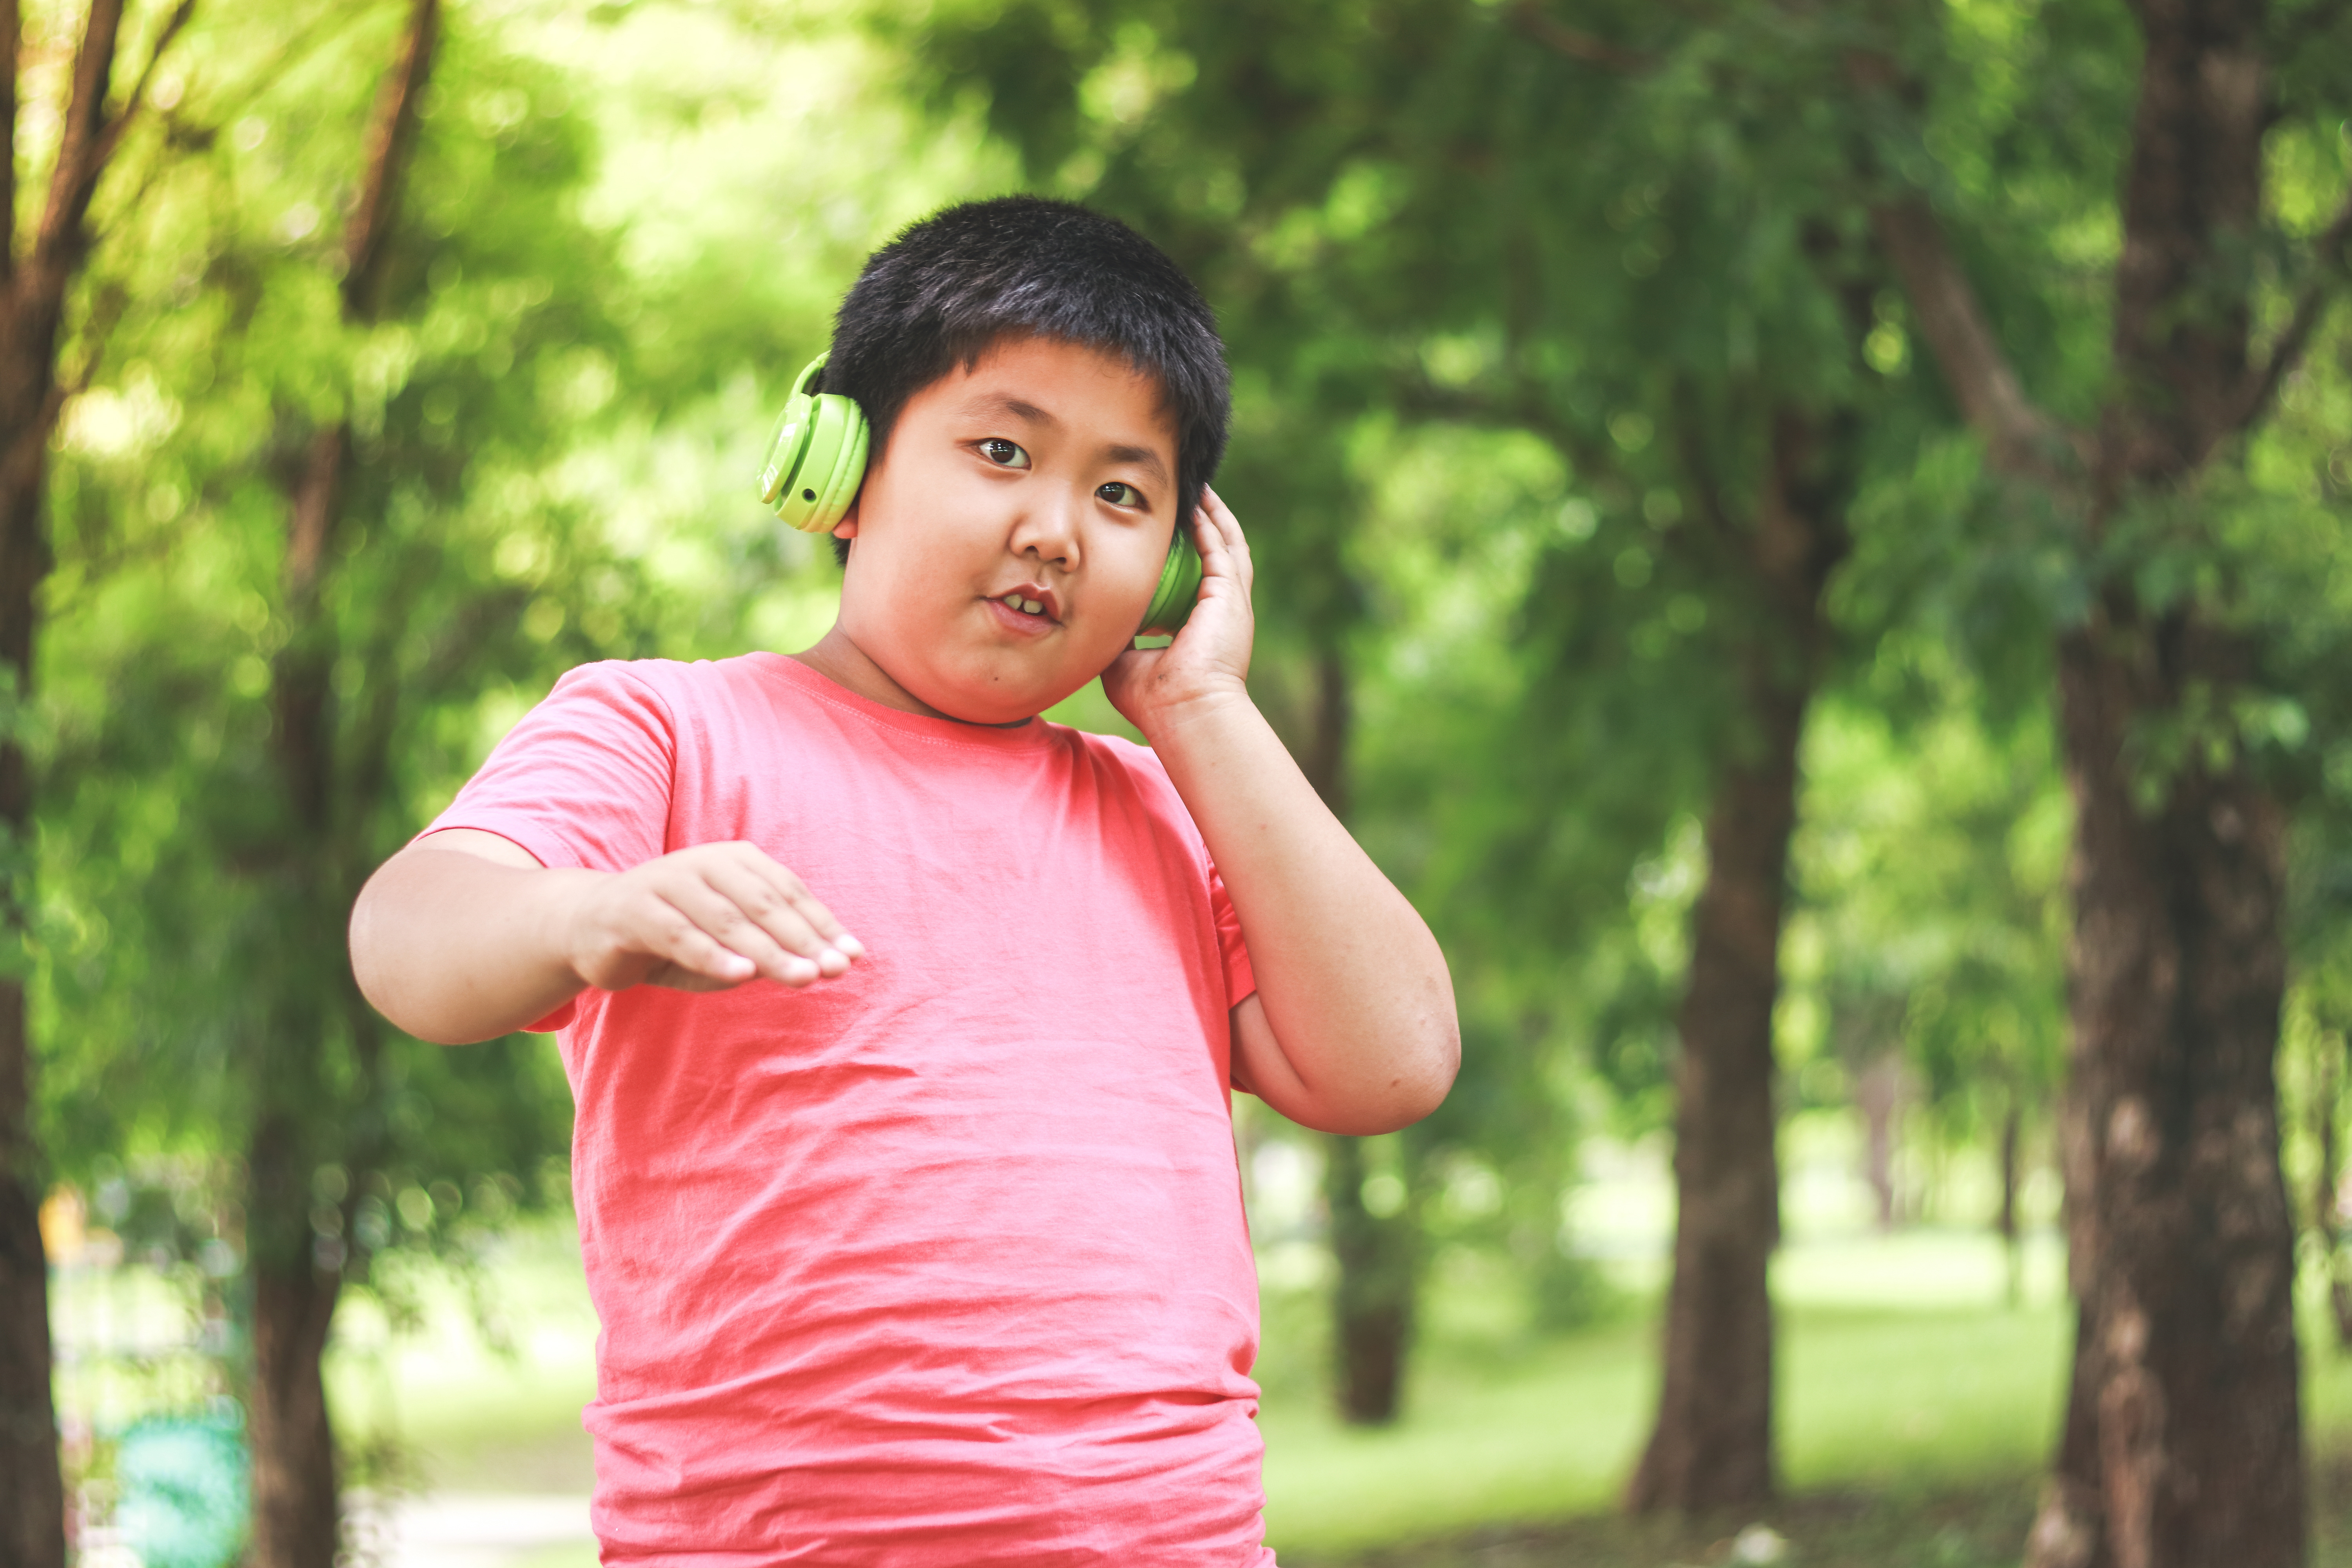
(582, 782)
(1240, 982)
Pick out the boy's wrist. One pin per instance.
(1176, 720)
(564, 893)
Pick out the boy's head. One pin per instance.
(1047, 399)
(965, 278)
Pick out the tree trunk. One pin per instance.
(295, 1513)
(2179, 962)
(34, 281)
(296, 1501)
(1712, 1445)
(1378, 1254)
(1878, 1090)
(2069, 1530)
(2181, 1236)
(32, 1493)
(2179, 969)
(1373, 1300)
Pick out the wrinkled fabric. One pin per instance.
(943, 1262)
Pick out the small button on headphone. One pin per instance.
(818, 460)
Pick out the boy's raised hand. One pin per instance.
(705, 919)
(465, 936)
(1209, 661)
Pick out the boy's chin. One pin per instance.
(1003, 692)
(994, 708)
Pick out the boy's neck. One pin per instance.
(842, 661)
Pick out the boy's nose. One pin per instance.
(1048, 530)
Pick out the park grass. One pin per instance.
(1977, 1526)
(1907, 1401)
(1917, 1407)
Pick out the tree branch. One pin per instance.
(2331, 258)
(1574, 43)
(390, 135)
(2023, 440)
(121, 123)
(12, 39)
(317, 494)
(81, 149)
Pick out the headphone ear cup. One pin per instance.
(820, 478)
(1179, 591)
(787, 448)
(817, 459)
(847, 470)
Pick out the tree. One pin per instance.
(1283, 464)
(2183, 1435)
(1407, 220)
(325, 527)
(297, 1523)
(1723, 537)
(39, 269)
(1712, 1445)
(291, 595)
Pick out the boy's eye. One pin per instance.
(1120, 494)
(1004, 454)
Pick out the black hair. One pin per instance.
(951, 287)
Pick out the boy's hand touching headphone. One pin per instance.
(1208, 663)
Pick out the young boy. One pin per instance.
(925, 1245)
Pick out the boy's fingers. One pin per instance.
(751, 903)
(1227, 528)
(1223, 550)
(723, 913)
(1215, 561)
(678, 977)
(678, 937)
(775, 884)
(795, 893)
(718, 919)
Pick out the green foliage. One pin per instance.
(1933, 920)
(1508, 328)
(191, 969)
(597, 286)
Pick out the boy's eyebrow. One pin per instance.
(1030, 414)
(1141, 457)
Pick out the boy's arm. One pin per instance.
(464, 936)
(1352, 1029)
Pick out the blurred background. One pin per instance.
(1719, 472)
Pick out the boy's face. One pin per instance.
(1044, 475)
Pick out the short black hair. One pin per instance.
(953, 285)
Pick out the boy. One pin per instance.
(925, 1245)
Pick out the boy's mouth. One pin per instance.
(1031, 606)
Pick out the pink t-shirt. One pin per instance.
(943, 1262)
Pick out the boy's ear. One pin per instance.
(848, 527)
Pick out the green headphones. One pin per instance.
(818, 458)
